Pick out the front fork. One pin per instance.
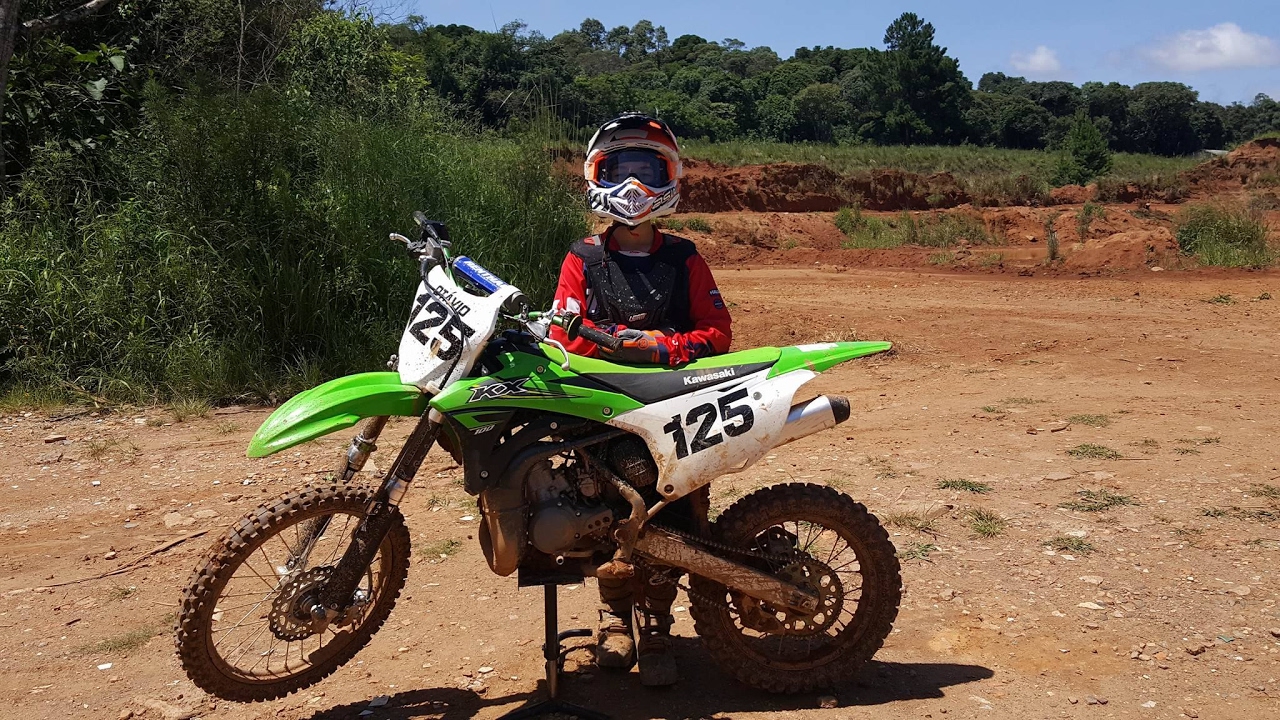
(337, 593)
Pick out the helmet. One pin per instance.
(633, 170)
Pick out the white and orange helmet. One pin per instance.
(633, 170)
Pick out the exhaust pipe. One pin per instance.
(811, 416)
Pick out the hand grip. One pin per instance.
(603, 339)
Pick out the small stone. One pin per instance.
(1091, 579)
(205, 514)
(1196, 648)
(828, 701)
(110, 555)
(1090, 700)
(1275, 632)
(1059, 476)
(1144, 657)
(486, 670)
(175, 519)
(1240, 590)
(379, 701)
(125, 714)
(55, 438)
(1101, 700)
(49, 458)
(1073, 699)
(132, 506)
(95, 483)
(1149, 704)
(467, 518)
(1091, 606)
(1190, 713)
(104, 666)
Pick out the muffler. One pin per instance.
(814, 415)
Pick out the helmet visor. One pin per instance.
(647, 166)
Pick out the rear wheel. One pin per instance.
(825, 542)
(246, 633)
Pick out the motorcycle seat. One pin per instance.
(654, 383)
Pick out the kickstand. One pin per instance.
(551, 651)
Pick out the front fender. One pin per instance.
(333, 406)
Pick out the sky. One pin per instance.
(1229, 50)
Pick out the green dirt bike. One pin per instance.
(573, 460)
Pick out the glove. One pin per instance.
(639, 347)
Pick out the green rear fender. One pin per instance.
(333, 406)
(820, 356)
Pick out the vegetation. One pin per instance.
(1225, 235)
(1069, 544)
(986, 523)
(917, 551)
(1084, 155)
(1091, 451)
(928, 230)
(1085, 217)
(972, 486)
(912, 521)
(1097, 501)
(1051, 238)
(1098, 421)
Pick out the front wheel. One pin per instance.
(245, 632)
(819, 539)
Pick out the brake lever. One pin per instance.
(556, 344)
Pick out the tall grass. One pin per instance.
(1225, 235)
(968, 163)
(927, 230)
(242, 247)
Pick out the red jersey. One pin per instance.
(706, 330)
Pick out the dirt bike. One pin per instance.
(573, 460)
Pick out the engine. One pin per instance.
(566, 509)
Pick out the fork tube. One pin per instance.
(379, 515)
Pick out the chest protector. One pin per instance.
(641, 292)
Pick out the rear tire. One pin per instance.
(213, 668)
(748, 654)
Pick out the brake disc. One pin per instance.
(290, 618)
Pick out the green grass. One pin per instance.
(1225, 235)
(986, 523)
(1069, 544)
(1091, 451)
(1186, 451)
(927, 230)
(184, 409)
(1266, 490)
(1085, 217)
(913, 521)
(917, 551)
(226, 427)
(1262, 515)
(1097, 501)
(120, 592)
(440, 550)
(698, 224)
(990, 260)
(967, 163)
(942, 258)
(1020, 401)
(972, 486)
(129, 641)
(1221, 300)
(1098, 421)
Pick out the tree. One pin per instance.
(1084, 154)
(920, 91)
(818, 109)
(11, 28)
(1160, 119)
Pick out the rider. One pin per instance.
(656, 293)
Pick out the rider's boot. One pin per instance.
(657, 661)
(615, 647)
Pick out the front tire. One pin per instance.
(814, 535)
(249, 577)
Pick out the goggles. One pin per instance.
(649, 167)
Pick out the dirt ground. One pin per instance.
(1173, 613)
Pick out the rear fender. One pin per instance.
(333, 406)
(821, 356)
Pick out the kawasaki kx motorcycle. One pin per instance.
(573, 460)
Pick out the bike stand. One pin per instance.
(551, 651)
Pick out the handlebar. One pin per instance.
(573, 327)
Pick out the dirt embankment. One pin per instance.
(1254, 165)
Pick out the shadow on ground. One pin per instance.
(703, 691)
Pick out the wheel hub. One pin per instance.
(821, 580)
(291, 617)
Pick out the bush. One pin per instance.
(932, 230)
(249, 254)
(1224, 235)
(1084, 155)
(1085, 217)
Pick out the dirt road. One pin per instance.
(1159, 608)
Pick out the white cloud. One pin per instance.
(1042, 61)
(1219, 47)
